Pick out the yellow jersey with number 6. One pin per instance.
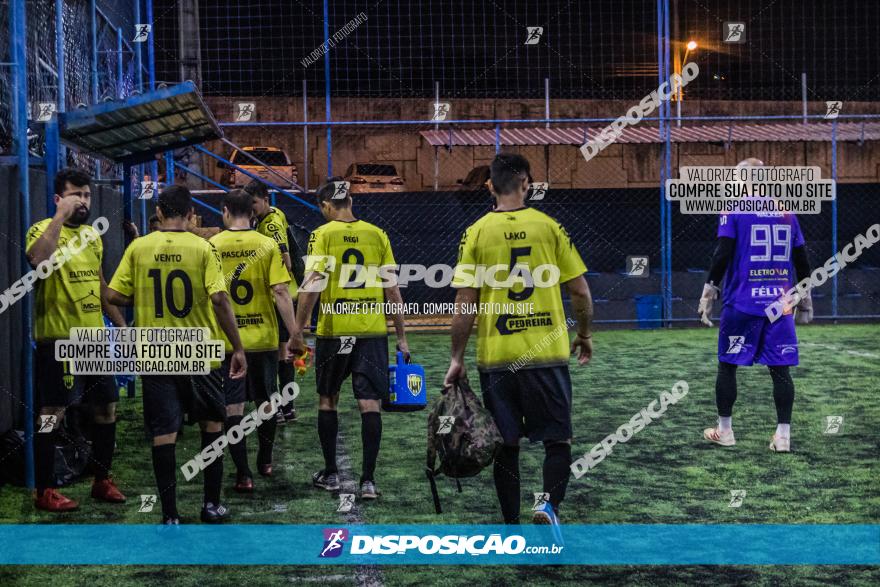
(252, 265)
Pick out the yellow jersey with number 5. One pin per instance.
(517, 260)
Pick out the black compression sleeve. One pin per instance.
(720, 260)
(801, 262)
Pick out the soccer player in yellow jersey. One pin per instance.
(272, 222)
(169, 276)
(258, 284)
(522, 332)
(341, 256)
(73, 296)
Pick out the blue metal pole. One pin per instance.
(138, 62)
(18, 51)
(668, 151)
(660, 77)
(834, 216)
(59, 53)
(497, 139)
(119, 69)
(93, 24)
(151, 71)
(51, 159)
(327, 89)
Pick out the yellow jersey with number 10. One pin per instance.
(172, 276)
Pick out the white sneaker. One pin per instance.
(723, 438)
(779, 444)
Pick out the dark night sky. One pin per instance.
(589, 49)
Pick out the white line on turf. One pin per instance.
(837, 349)
(365, 575)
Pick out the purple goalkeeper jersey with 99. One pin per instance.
(761, 269)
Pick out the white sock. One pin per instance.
(783, 430)
(725, 423)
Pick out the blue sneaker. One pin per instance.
(544, 515)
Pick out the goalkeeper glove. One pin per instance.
(710, 294)
(804, 310)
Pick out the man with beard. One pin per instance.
(73, 296)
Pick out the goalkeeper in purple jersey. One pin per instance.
(756, 258)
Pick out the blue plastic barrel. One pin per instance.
(649, 310)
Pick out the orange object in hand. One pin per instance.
(301, 363)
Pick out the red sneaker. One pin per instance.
(265, 470)
(52, 501)
(106, 490)
(244, 484)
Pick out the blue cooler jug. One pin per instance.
(407, 391)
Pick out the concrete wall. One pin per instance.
(563, 166)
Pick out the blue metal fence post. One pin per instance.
(660, 77)
(151, 72)
(60, 66)
(327, 90)
(668, 153)
(497, 138)
(18, 51)
(93, 25)
(119, 70)
(834, 216)
(51, 158)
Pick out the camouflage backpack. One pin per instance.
(463, 434)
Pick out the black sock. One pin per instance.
(725, 389)
(371, 437)
(266, 439)
(238, 451)
(103, 443)
(783, 393)
(557, 468)
(328, 427)
(506, 474)
(213, 472)
(165, 470)
(44, 460)
(286, 373)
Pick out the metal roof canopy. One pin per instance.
(724, 133)
(135, 130)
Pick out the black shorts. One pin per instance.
(366, 362)
(168, 397)
(530, 402)
(261, 381)
(55, 386)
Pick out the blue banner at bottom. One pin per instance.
(628, 544)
